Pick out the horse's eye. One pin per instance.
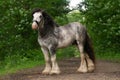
(40, 16)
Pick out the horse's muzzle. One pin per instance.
(34, 26)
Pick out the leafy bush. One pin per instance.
(101, 18)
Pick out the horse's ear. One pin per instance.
(42, 10)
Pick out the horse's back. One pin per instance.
(70, 33)
(74, 25)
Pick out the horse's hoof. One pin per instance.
(91, 69)
(82, 71)
(45, 72)
(55, 72)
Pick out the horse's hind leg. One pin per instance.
(83, 65)
(91, 65)
(47, 61)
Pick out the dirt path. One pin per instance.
(106, 70)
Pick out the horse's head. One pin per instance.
(37, 18)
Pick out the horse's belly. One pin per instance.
(65, 43)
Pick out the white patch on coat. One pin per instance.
(36, 16)
(66, 38)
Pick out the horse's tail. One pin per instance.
(89, 48)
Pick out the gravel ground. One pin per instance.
(105, 70)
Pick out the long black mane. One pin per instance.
(49, 24)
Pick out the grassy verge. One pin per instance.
(13, 63)
(115, 57)
(14, 69)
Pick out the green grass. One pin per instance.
(14, 69)
(13, 63)
(115, 57)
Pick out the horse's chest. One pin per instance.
(42, 42)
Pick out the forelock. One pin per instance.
(36, 10)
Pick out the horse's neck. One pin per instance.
(46, 31)
(47, 28)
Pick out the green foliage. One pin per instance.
(66, 52)
(53, 7)
(16, 34)
(72, 16)
(18, 61)
(102, 19)
(109, 56)
(61, 20)
(75, 16)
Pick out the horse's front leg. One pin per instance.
(55, 67)
(47, 61)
